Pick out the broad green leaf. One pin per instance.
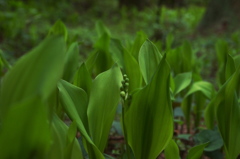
(35, 73)
(64, 144)
(148, 119)
(91, 61)
(117, 50)
(149, 58)
(174, 60)
(72, 62)
(196, 151)
(72, 101)
(74, 96)
(228, 122)
(133, 71)
(204, 87)
(103, 102)
(172, 150)
(25, 130)
(229, 126)
(104, 59)
(182, 81)
(128, 64)
(225, 108)
(210, 111)
(212, 136)
(82, 79)
(59, 29)
(138, 42)
(101, 29)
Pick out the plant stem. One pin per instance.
(124, 131)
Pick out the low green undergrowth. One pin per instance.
(157, 89)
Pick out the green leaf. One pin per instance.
(128, 64)
(35, 73)
(148, 119)
(91, 61)
(229, 126)
(133, 71)
(71, 138)
(149, 58)
(225, 108)
(103, 101)
(172, 150)
(182, 81)
(82, 79)
(72, 62)
(74, 99)
(204, 88)
(138, 42)
(59, 29)
(64, 144)
(104, 59)
(212, 136)
(101, 28)
(174, 59)
(25, 130)
(196, 151)
(117, 50)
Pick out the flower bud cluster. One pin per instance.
(124, 87)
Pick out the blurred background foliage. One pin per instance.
(23, 24)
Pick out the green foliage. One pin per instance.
(212, 136)
(196, 151)
(34, 74)
(172, 150)
(31, 130)
(147, 105)
(72, 62)
(181, 81)
(149, 58)
(101, 108)
(47, 87)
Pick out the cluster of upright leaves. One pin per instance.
(48, 82)
(29, 128)
(147, 114)
(224, 108)
(95, 111)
